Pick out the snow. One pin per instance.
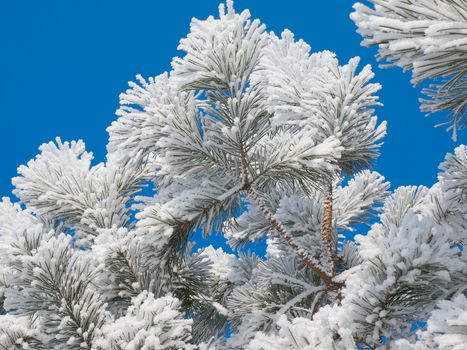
(424, 36)
(150, 323)
(244, 137)
(220, 260)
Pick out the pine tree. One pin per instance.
(251, 136)
(429, 38)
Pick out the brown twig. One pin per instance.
(312, 263)
(327, 238)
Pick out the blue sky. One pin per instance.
(63, 64)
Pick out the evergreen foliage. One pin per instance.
(250, 135)
(428, 37)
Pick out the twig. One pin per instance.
(311, 262)
(327, 233)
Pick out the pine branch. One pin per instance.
(129, 279)
(56, 284)
(318, 300)
(291, 303)
(244, 162)
(427, 37)
(327, 239)
(19, 332)
(150, 323)
(311, 262)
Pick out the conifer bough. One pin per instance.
(250, 136)
(428, 37)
